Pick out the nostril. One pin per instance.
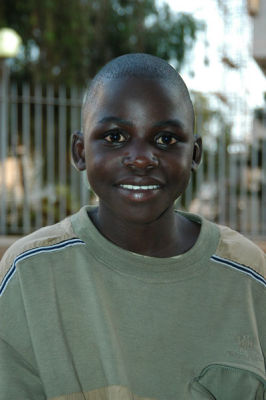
(150, 167)
(141, 162)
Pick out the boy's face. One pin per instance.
(138, 148)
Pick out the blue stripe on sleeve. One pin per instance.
(29, 253)
(240, 267)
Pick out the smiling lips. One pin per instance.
(139, 193)
(139, 187)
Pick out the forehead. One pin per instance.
(138, 98)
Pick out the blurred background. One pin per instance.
(49, 50)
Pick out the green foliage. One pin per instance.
(67, 41)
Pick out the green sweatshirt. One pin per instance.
(81, 318)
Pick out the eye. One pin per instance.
(166, 139)
(115, 137)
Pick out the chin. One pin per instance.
(136, 211)
(143, 215)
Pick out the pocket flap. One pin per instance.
(224, 382)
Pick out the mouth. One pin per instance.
(139, 193)
(139, 187)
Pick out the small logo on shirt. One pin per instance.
(246, 347)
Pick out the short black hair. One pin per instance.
(137, 65)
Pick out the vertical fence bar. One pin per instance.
(15, 198)
(243, 192)
(62, 151)
(26, 156)
(222, 181)
(212, 182)
(3, 144)
(243, 198)
(38, 184)
(233, 199)
(50, 153)
(254, 209)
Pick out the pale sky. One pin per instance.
(248, 80)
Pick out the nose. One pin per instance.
(140, 160)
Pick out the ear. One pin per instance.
(197, 153)
(78, 151)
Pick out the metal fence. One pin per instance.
(39, 186)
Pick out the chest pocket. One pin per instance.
(222, 382)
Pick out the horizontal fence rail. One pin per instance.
(39, 186)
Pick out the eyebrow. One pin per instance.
(115, 119)
(170, 122)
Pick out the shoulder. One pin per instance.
(58, 235)
(236, 249)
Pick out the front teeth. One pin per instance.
(131, 187)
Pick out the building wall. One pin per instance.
(259, 41)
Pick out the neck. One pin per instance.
(171, 234)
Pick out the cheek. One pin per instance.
(99, 165)
(179, 164)
(93, 157)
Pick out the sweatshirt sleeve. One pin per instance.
(19, 377)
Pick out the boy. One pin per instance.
(132, 299)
